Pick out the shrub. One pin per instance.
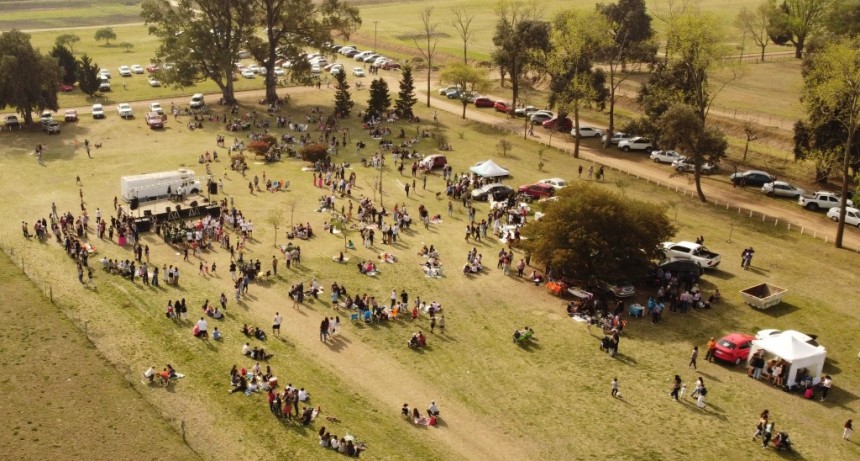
(314, 152)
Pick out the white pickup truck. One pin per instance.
(692, 251)
(820, 201)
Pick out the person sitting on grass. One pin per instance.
(216, 334)
(165, 377)
(149, 374)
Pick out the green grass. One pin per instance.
(38, 14)
(489, 388)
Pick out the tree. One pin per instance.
(577, 39)
(201, 38)
(470, 80)
(632, 46)
(592, 234)
(342, 98)
(127, 46)
(681, 128)
(88, 75)
(504, 146)
(795, 21)
(406, 96)
(379, 100)
(750, 134)
(28, 80)
(67, 62)
(463, 24)
(339, 223)
(290, 26)
(518, 36)
(67, 40)
(844, 18)
(105, 33)
(276, 219)
(430, 39)
(755, 23)
(831, 91)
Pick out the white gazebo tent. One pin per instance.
(489, 169)
(797, 353)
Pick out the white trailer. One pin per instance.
(151, 186)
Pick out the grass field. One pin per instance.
(549, 401)
(44, 14)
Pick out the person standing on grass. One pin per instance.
(274, 265)
(712, 347)
(848, 429)
(767, 433)
(693, 357)
(615, 387)
(700, 400)
(762, 422)
(276, 324)
(432, 323)
(324, 330)
(825, 386)
(441, 324)
(202, 328)
(676, 387)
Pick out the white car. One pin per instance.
(587, 132)
(98, 111)
(637, 143)
(336, 69)
(685, 165)
(666, 156)
(852, 215)
(358, 72)
(781, 189)
(125, 71)
(104, 74)
(247, 73)
(556, 183)
(279, 71)
(616, 137)
(448, 89)
(137, 69)
(253, 68)
(153, 82)
(156, 107)
(124, 110)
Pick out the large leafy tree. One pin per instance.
(291, 25)
(342, 97)
(577, 39)
(88, 75)
(28, 80)
(67, 62)
(105, 33)
(406, 96)
(202, 39)
(472, 81)
(591, 233)
(67, 40)
(844, 18)
(632, 46)
(519, 36)
(795, 21)
(379, 100)
(831, 94)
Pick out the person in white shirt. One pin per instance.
(276, 324)
(246, 349)
(202, 327)
(303, 395)
(149, 374)
(433, 410)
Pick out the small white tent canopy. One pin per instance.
(796, 352)
(489, 169)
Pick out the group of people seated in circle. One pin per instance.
(248, 382)
(474, 262)
(345, 444)
(301, 231)
(256, 353)
(430, 420)
(432, 267)
(255, 332)
(417, 340)
(367, 268)
(164, 376)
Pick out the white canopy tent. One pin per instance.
(489, 169)
(796, 352)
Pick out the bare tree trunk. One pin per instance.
(577, 138)
(846, 163)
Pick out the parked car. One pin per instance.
(12, 122)
(483, 101)
(617, 137)
(137, 69)
(47, 116)
(496, 190)
(751, 178)
(538, 190)
(693, 251)
(540, 116)
(502, 106)
(154, 82)
(71, 115)
(434, 161)
(358, 72)
(586, 131)
(637, 143)
(734, 348)
(156, 107)
(254, 68)
(98, 111)
(686, 165)
(124, 71)
(65, 88)
(558, 124)
(556, 183)
(247, 73)
(390, 65)
(104, 74)
(154, 120)
(822, 200)
(104, 86)
(677, 267)
(781, 189)
(618, 288)
(124, 110)
(152, 68)
(526, 111)
(665, 156)
(51, 126)
(852, 215)
(278, 71)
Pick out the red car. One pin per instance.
(565, 124)
(152, 68)
(483, 101)
(538, 191)
(65, 88)
(502, 106)
(154, 120)
(390, 65)
(734, 348)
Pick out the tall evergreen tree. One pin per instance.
(67, 62)
(379, 100)
(88, 75)
(406, 96)
(342, 98)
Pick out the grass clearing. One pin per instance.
(492, 392)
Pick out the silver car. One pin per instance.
(781, 189)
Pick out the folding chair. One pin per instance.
(354, 317)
